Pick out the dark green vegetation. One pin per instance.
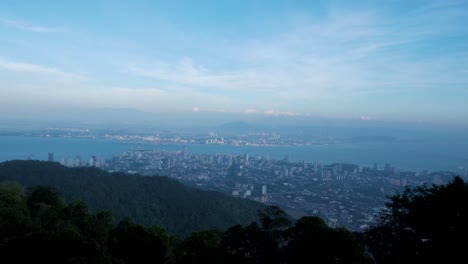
(38, 225)
(145, 200)
(427, 224)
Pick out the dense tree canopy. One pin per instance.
(146, 200)
(423, 224)
(40, 223)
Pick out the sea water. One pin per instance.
(412, 155)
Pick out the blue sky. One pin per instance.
(363, 60)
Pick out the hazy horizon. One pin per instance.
(101, 118)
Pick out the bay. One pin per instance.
(417, 155)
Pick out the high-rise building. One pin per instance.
(184, 151)
(264, 190)
(375, 166)
(387, 167)
(51, 156)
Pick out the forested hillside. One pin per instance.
(146, 200)
(424, 224)
(37, 225)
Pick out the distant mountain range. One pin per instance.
(146, 200)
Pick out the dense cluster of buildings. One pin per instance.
(345, 195)
(79, 162)
(213, 138)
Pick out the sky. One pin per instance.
(362, 60)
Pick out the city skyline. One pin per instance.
(366, 61)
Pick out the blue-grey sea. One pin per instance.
(413, 155)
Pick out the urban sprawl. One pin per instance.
(345, 195)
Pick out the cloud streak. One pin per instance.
(346, 55)
(33, 28)
(187, 72)
(366, 60)
(39, 69)
(248, 111)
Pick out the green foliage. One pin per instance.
(52, 231)
(134, 243)
(274, 219)
(312, 240)
(14, 214)
(39, 225)
(201, 247)
(279, 240)
(146, 200)
(423, 224)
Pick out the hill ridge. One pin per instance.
(155, 200)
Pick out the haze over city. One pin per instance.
(365, 61)
(233, 131)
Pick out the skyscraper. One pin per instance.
(51, 156)
(184, 151)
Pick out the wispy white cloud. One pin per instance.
(39, 69)
(343, 56)
(34, 28)
(366, 118)
(280, 113)
(90, 95)
(187, 72)
(442, 4)
(248, 111)
(345, 60)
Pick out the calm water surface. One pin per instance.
(434, 154)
